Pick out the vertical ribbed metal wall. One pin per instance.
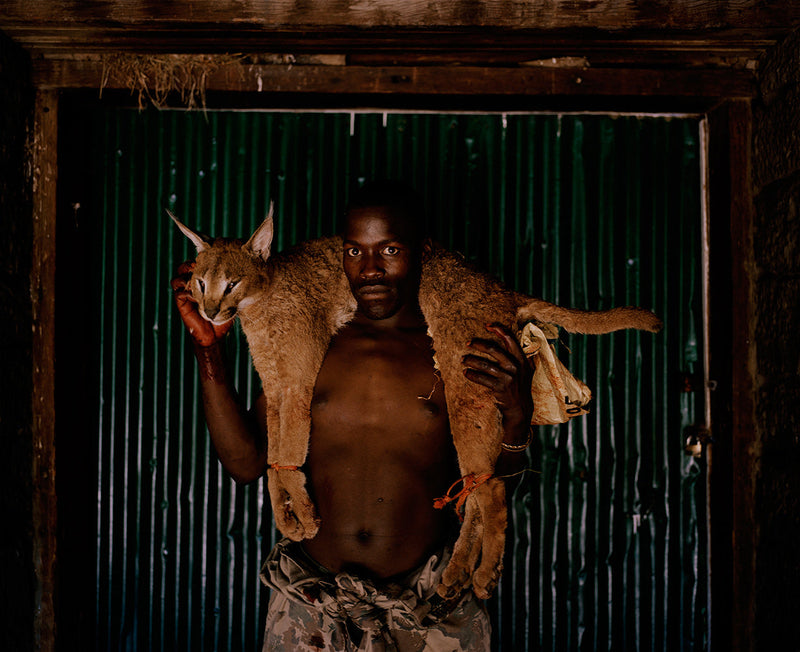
(606, 546)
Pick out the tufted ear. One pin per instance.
(201, 242)
(260, 242)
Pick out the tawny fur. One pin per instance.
(458, 302)
(290, 307)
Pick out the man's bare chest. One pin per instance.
(379, 383)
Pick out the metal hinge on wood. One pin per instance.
(697, 437)
(695, 382)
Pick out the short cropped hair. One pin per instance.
(398, 196)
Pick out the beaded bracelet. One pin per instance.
(511, 448)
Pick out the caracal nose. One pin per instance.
(212, 311)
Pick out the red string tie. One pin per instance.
(280, 467)
(471, 483)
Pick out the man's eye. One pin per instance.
(352, 251)
(391, 251)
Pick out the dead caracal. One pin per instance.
(291, 304)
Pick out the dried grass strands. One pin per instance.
(154, 77)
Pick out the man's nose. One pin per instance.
(372, 267)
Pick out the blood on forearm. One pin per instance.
(211, 363)
(239, 442)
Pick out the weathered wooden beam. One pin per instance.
(396, 45)
(535, 81)
(230, 15)
(545, 28)
(498, 41)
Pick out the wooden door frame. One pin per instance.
(722, 97)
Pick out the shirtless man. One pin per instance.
(380, 453)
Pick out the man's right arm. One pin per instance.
(239, 437)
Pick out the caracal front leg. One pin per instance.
(294, 512)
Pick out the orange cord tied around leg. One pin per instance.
(279, 467)
(471, 483)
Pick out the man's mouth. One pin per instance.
(373, 290)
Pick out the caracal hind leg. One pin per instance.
(491, 498)
(456, 576)
(292, 507)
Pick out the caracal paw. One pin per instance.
(455, 578)
(485, 579)
(296, 517)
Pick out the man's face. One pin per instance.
(380, 261)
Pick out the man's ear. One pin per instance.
(427, 249)
(260, 243)
(200, 241)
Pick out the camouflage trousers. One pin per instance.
(313, 609)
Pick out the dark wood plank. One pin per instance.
(745, 465)
(550, 27)
(426, 80)
(440, 44)
(732, 351)
(546, 14)
(44, 162)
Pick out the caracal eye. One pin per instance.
(201, 285)
(231, 285)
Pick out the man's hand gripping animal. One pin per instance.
(302, 295)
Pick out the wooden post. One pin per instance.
(44, 157)
(731, 320)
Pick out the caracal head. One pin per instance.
(227, 274)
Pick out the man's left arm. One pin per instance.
(505, 370)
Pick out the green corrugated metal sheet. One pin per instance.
(607, 544)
